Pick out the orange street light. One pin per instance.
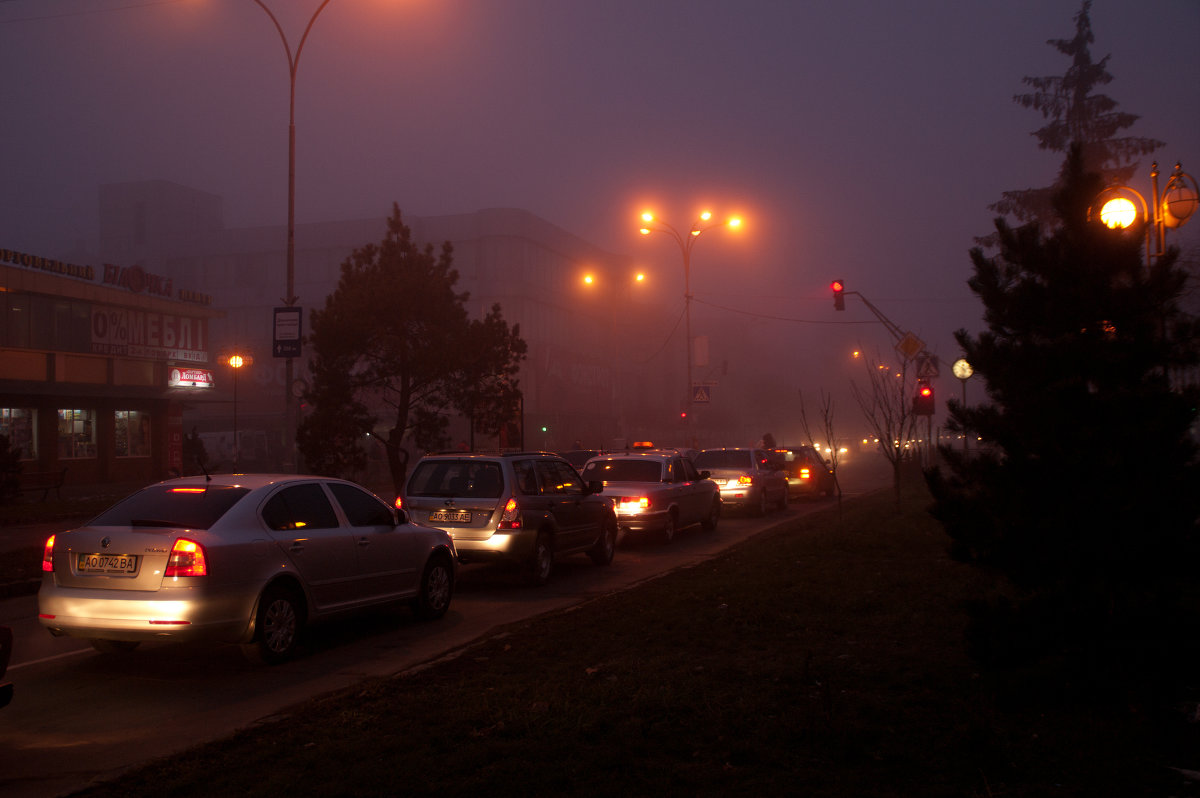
(237, 363)
(1122, 207)
(703, 222)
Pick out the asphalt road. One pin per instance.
(80, 716)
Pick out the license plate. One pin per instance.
(453, 516)
(107, 564)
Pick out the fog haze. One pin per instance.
(858, 139)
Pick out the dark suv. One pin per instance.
(523, 507)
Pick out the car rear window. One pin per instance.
(472, 479)
(723, 459)
(623, 471)
(191, 507)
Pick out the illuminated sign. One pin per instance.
(190, 378)
(159, 336)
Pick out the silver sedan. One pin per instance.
(244, 558)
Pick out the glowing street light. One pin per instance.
(1122, 207)
(703, 222)
(236, 362)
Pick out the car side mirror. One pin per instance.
(401, 517)
(595, 486)
(705, 474)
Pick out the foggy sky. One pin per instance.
(859, 139)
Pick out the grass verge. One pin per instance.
(822, 659)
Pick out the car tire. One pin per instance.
(541, 562)
(669, 529)
(709, 524)
(113, 646)
(437, 588)
(277, 631)
(602, 553)
(783, 499)
(761, 506)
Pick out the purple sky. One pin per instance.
(859, 139)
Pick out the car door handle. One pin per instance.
(364, 541)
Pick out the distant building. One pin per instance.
(587, 375)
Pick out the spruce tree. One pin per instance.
(1084, 497)
(1076, 113)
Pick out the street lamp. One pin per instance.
(703, 222)
(1121, 207)
(236, 362)
(289, 298)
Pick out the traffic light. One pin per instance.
(839, 299)
(923, 401)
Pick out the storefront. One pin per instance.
(96, 367)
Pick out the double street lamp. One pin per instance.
(703, 222)
(1122, 207)
(289, 297)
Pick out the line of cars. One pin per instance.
(254, 559)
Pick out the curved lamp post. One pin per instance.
(1122, 207)
(703, 222)
(289, 298)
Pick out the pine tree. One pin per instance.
(1085, 496)
(394, 346)
(1076, 114)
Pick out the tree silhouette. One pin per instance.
(1085, 495)
(1075, 114)
(394, 346)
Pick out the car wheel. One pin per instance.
(783, 498)
(277, 632)
(437, 587)
(541, 564)
(762, 506)
(668, 530)
(113, 646)
(606, 546)
(709, 523)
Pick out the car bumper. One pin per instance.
(516, 544)
(642, 522)
(174, 613)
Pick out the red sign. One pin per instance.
(190, 378)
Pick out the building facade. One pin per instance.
(97, 366)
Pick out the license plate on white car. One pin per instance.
(451, 516)
(107, 564)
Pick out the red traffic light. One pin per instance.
(923, 403)
(839, 300)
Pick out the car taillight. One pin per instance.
(804, 473)
(745, 480)
(48, 555)
(633, 504)
(187, 559)
(511, 517)
(399, 503)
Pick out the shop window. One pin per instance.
(133, 433)
(19, 425)
(76, 434)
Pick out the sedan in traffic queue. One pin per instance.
(656, 492)
(244, 558)
(748, 478)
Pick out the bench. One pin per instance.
(45, 481)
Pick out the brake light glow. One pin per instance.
(511, 517)
(805, 474)
(399, 503)
(188, 490)
(745, 480)
(633, 504)
(187, 559)
(48, 555)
